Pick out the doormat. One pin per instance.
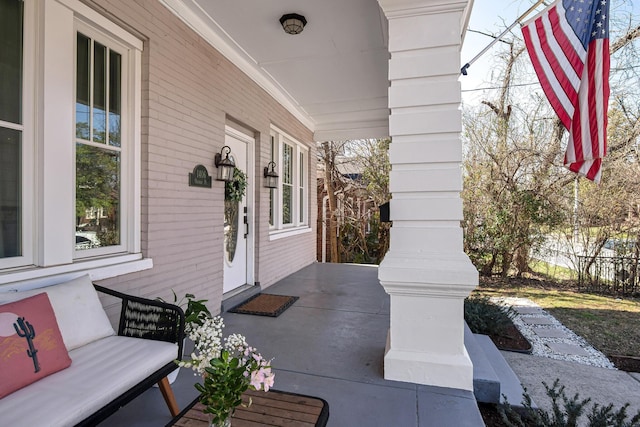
(265, 305)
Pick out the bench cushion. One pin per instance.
(79, 313)
(30, 343)
(100, 372)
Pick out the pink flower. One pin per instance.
(257, 378)
(268, 378)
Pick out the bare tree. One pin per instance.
(372, 158)
(516, 193)
(356, 182)
(329, 153)
(510, 176)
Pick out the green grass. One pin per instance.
(550, 270)
(612, 325)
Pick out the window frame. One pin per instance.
(49, 61)
(272, 191)
(300, 181)
(27, 151)
(126, 137)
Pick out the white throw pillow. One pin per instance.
(79, 313)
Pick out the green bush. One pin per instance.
(485, 317)
(566, 412)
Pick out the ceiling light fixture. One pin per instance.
(292, 23)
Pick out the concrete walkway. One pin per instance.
(559, 353)
(604, 386)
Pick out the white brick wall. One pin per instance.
(189, 91)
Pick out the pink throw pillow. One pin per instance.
(31, 346)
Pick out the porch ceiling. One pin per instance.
(332, 76)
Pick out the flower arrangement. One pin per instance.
(228, 367)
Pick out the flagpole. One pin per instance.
(466, 66)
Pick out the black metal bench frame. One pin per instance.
(146, 319)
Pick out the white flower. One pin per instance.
(209, 345)
(235, 343)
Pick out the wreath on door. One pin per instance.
(234, 191)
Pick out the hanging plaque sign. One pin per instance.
(200, 177)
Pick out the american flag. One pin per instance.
(568, 43)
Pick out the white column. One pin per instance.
(426, 273)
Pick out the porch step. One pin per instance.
(492, 375)
(238, 296)
(486, 384)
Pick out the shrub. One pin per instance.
(565, 412)
(485, 317)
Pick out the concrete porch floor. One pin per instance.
(329, 344)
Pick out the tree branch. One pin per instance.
(631, 35)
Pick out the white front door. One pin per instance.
(237, 225)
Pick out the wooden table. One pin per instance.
(274, 408)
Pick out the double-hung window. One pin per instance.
(70, 91)
(11, 129)
(15, 133)
(99, 143)
(289, 203)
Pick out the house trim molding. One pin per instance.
(281, 234)
(98, 269)
(405, 8)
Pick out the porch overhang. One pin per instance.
(332, 77)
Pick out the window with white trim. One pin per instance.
(288, 204)
(302, 194)
(88, 134)
(100, 63)
(272, 191)
(11, 132)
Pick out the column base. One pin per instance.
(440, 370)
(425, 344)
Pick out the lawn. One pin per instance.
(612, 325)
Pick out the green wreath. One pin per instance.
(234, 189)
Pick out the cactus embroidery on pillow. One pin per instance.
(25, 330)
(31, 345)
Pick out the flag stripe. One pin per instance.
(602, 94)
(560, 66)
(594, 105)
(558, 100)
(567, 40)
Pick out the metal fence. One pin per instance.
(609, 275)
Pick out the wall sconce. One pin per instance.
(271, 177)
(292, 23)
(225, 166)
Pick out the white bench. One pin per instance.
(107, 369)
